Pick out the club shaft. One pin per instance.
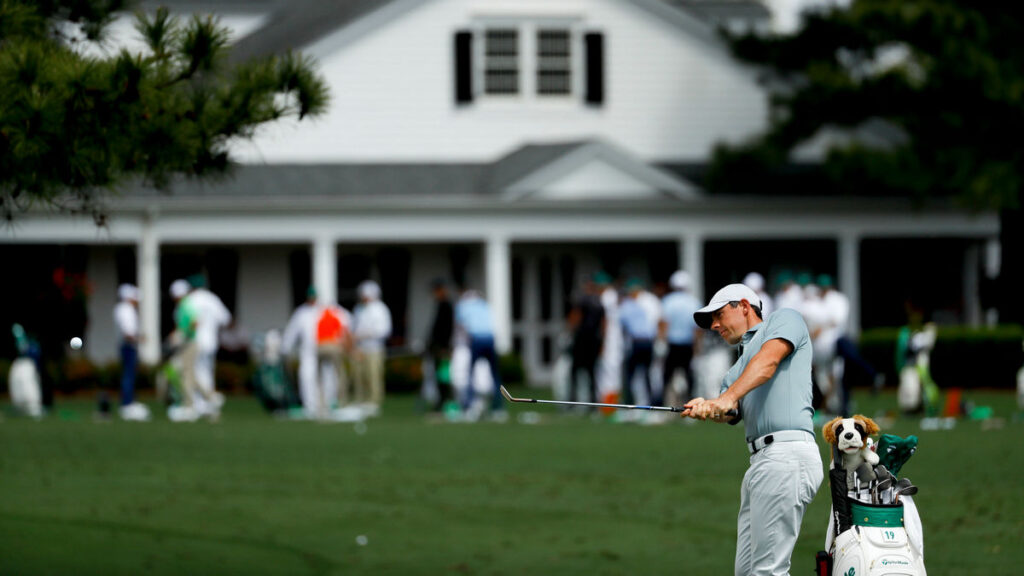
(510, 398)
(602, 405)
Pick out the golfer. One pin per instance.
(770, 388)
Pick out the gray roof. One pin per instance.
(330, 180)
(301, 22)
(525, 160)
(381, 180)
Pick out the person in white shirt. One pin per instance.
(320, 331)
(371, 329)
(126, 318)
(821, 326)
(790, 294)
(609, 374)
(210, 316)
(755, 282)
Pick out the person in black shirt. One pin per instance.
(436, 374)
(587, 323)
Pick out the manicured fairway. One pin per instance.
(252, 495)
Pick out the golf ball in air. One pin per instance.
(362, 540)
(76, 343)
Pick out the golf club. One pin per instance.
(510, 398)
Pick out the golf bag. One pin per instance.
(23, 381)
(872, 535)
(876, 544)
(270, 381)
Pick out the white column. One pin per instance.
(691, 251)
(849, 277)
(325, 268)
(499, 290)
(147, 257)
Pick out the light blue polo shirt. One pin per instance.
(784, 401)
(677, 309)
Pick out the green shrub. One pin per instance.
(964, 357)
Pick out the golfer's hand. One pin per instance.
(690, 407)
(715, 409)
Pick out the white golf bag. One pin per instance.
(876, 551)
(908, 396)
(23, 380)
(868, 538)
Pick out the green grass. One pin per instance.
(251, 495)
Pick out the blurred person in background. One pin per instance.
(183, 342)
(816, 316)
(210, 316)
(437, 383)
(126, 319)
(609, 373)
(320, 333)
(371, 329)
(586, 322)
(333, 343)
(837, 306)
(834, 310)
(474, 317)
(755, 282)
(789, 294)
(640, 330)
(679, 330)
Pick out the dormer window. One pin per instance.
(529, 61)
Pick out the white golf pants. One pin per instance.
(781, 481)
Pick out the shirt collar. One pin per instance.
(750, 334)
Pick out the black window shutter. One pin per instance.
(463, 67)
(594, 42)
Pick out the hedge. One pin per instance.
(964, 357)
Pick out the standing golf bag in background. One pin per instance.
(270, 381)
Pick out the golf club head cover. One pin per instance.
(893, 451)
(842, 519)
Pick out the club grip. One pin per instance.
(728, 413)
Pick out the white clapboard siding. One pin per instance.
(669, 93)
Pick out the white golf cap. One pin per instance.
(179, 288)
(755, 281)
(369, 289)
(679, 280)
(128, 292)
(731, 293)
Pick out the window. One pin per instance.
(551, 61)
(501, 61)
(554, 64)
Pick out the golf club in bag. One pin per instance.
(510, 398)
